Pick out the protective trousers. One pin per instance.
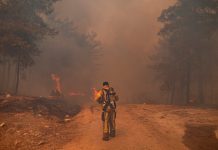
(109, 125)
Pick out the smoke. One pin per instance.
(127, 30)
(69, 55)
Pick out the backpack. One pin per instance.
(109, 99)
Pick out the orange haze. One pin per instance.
(127, 30)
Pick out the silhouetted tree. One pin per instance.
(21, 28)
(188, 56)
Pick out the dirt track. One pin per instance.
(148, 127)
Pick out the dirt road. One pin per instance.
(148, 127)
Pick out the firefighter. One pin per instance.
(108, 98)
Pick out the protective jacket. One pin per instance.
(108, 99)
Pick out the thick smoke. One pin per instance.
(70, 55)
(127, 30)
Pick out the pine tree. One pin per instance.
(188, 56)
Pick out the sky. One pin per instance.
(127, 30)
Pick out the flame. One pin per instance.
(56, 79)
(96, 94)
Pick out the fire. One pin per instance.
(56, 79)
(96, 94)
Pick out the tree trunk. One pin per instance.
(1, 77)
(200, 77)
(8, 75)
(188, 76)
(17, 76)
(4, 74)
(173, 92)
(182, 87)
(212, 91)
(201, 90)
(200, 83)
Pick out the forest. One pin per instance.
(36, 43)
(187, 57)
(108, 75)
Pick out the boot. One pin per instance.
(112, 133)
(105, 136)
